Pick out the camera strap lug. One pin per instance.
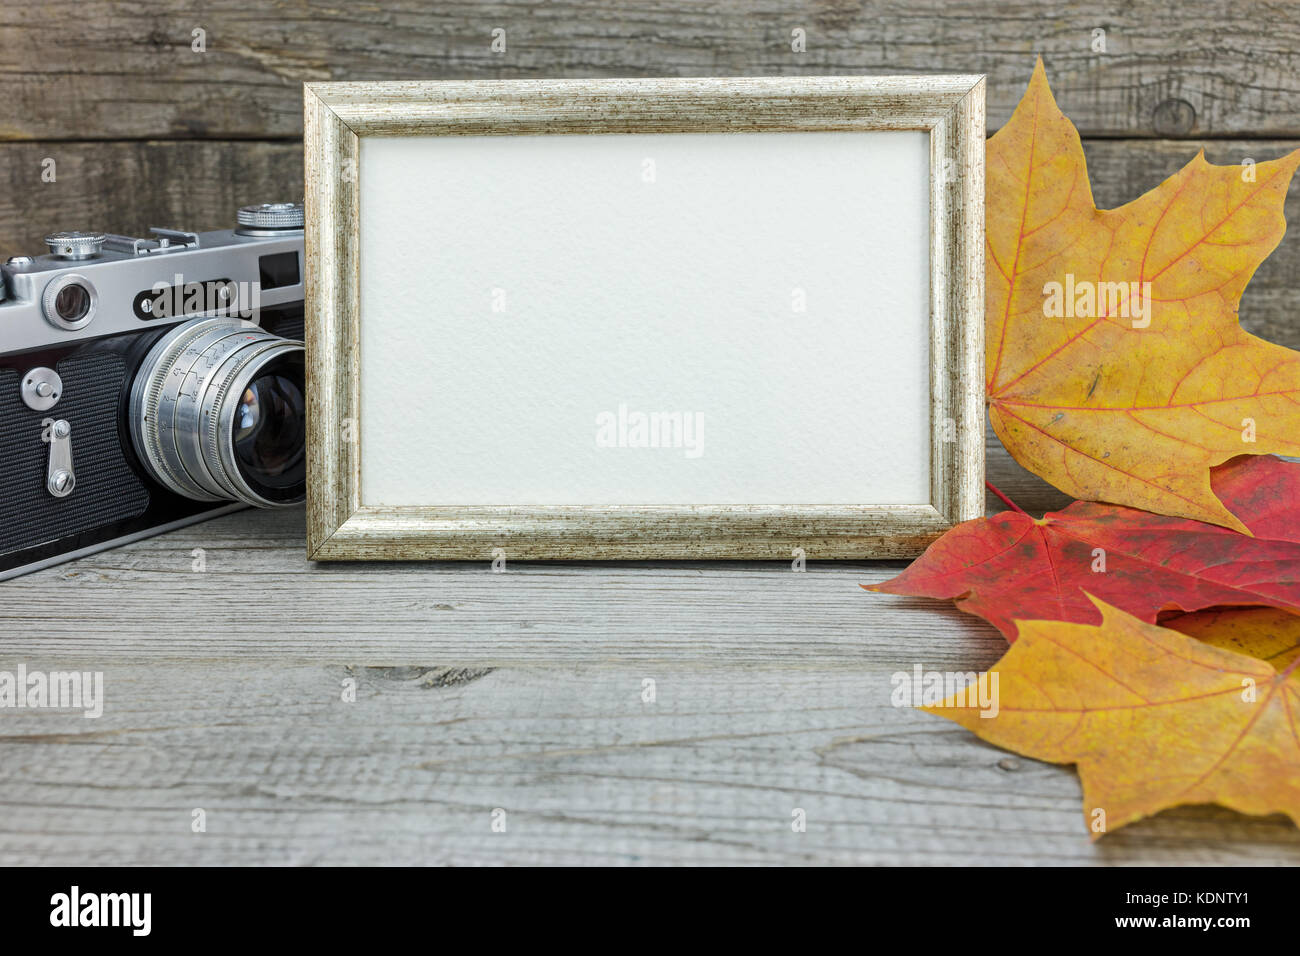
(59, 478)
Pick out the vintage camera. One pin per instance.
(149, 383)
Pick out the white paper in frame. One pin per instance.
(632, 319)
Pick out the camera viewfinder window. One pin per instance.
(278, 270)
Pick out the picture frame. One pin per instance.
(342, 120)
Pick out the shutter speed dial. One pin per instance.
(271, 216)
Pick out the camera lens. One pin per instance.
(72, 303)
(270, 437)
(217, 412)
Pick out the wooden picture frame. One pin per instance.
(340, 526)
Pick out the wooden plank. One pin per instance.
(258, 598)
(586, 770)
(127, 187)
(131, 71)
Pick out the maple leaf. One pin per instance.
(1118, 398)
(1266, 633)
(1152, 718)
(1014, 566)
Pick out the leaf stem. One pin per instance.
(1005, 500)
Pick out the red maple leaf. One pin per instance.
(1015, 566)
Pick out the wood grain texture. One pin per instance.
(341, 526)
(522, 691)
(127, 187)
(586, 772)
(110, 70)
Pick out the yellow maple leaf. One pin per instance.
(1152, 718)
(1268, 633)
(1115, 366)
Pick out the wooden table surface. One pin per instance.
(523, 691)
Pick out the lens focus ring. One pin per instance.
(153, 422)
(185, 390)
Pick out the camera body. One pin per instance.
(146, 384)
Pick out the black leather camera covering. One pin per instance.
(107, 489)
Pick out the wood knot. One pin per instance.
(1173, 117)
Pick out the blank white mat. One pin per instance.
(518, 290)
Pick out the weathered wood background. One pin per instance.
(523, 690)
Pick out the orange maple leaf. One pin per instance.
(1152, 718)
(1115, 365)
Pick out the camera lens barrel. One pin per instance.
(196, 387)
